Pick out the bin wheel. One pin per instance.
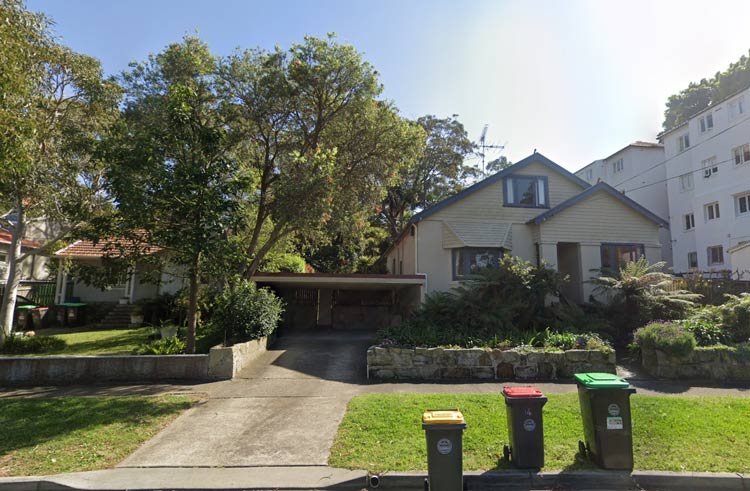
(581, 448)
(426, 484)
(506, 453)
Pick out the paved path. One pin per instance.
(286, 407)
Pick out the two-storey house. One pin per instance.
(534, 209)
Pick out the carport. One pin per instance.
(345, 301)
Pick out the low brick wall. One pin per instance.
(53, 370)
(477, 363)
(728, 364)
(225, 362)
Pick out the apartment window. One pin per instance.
(709, 167)
(689, 221)
(712, 211)
(686, 182)
(618, 166)
(683, 142)
(692, 260)
(469, 260)
(742, 204)
(737, 107)
(715, 255)
(706, 122)
(615, 256)
(589, 174)
(526, 191)
(741, 154)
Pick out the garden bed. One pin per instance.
(489, 364)
(726, 363)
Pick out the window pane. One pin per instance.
(703, 125)
(710, 121)
(737, 156)
(524, 190)
(746, 152)
(482, 258)
(541, 193)
(716, 206)
(743, 204)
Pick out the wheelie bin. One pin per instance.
(523, 407)
(23, 317)
(605, 412)
(444, 434)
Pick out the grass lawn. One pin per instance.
(99, 342)
(384, 432)
(50, 436)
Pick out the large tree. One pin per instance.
(319, 144)
(54, 106)
(172, 172)
(439, 173)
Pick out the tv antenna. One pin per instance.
(483, 146)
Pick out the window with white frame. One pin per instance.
(741, 154)
(689, 221)
(526, 191)
(709, 167)
(706, 122)
(715, 255)
(736, 107)
(616, 256)
(618, 166)
(693, 260)
(589, 174)
(683, 142)
(742, 203)
(686, 182)
(712, 211)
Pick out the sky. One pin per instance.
(576, 79)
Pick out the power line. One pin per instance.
(713, 164)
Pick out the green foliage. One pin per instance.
(706, 332)
(734, 315)
(29, 345)
(246, 312)
(669, 337)
(283, 262)
(166, 346)
(698, 96)
(640, 292)
(569, 340)
(502, 303)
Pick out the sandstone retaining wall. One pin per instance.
(703, 363)
(477, 363)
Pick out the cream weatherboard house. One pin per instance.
(534, 209)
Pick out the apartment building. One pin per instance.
(637, 170)
(707, 164)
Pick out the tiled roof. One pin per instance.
(87, 248)
(5, 238)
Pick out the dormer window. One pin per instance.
(526, 191)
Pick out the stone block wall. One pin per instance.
(225, 362)
(478, 363)
(732, 364)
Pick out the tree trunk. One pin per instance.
(8, 306)
(192, 313)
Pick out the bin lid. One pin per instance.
(521, 392)
(443, 417)
(26, 307)
(597, 380)
(40, 308)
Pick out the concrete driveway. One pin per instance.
(283, 410)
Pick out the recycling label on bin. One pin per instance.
(613, 410)
(444, 446)
(529, 425)
(614, 423)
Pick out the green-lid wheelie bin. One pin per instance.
(605, 412)
(444, 433)
(523, 407)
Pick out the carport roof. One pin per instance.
(341, 281)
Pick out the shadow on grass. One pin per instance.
(30, 422)
(122, 343)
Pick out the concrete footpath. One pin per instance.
(326, 478)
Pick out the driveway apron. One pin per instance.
(283, 410)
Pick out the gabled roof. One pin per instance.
(89, 248)
(599, 187)
(535, 157)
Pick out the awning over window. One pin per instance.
(477, 234)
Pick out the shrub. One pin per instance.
(247, 312)
(706, 333)
(284, 262)
(18, 345)
(668, 337)
(568, 340)
(735, 317)
(166, 346)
